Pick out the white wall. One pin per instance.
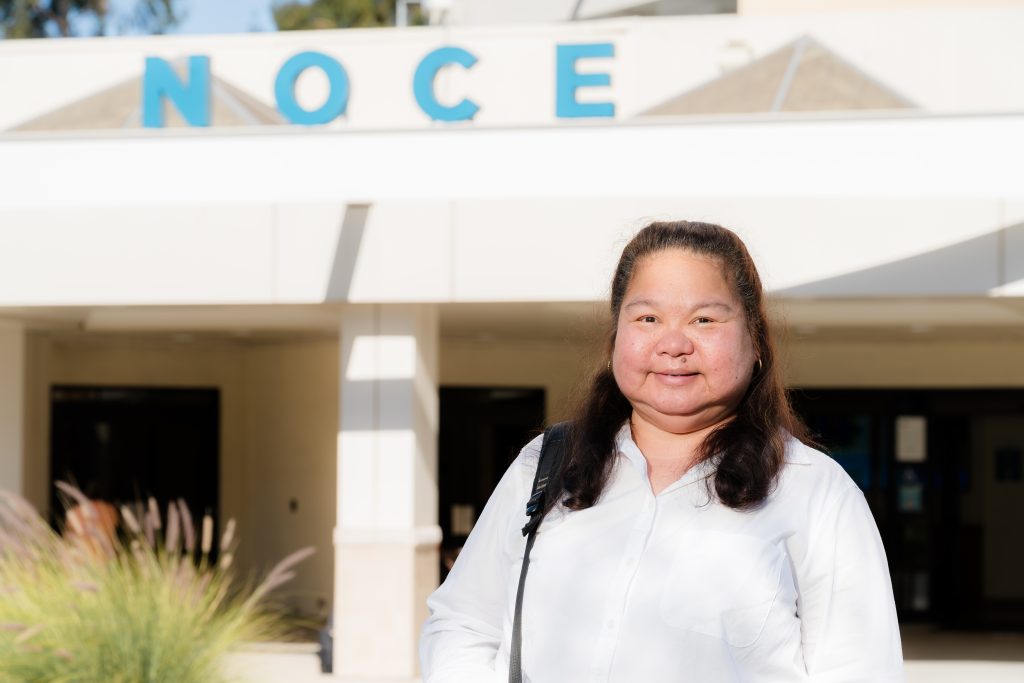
(291, 435)
(161, 255)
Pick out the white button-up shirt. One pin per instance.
(675, 587)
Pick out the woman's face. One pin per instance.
(683, 355)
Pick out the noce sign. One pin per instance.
(192, 98)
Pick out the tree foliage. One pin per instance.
(296, 15)
(50, 18)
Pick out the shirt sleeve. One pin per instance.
(850, 633)
(462, 635)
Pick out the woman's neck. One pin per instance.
(669, 455)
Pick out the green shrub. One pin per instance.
(144, 605)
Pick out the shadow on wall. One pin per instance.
(346, 254)
(974, 266)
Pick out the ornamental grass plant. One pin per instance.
(139, 602)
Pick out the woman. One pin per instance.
(697, 538)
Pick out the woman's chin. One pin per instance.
(682, 419)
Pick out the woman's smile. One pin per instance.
(680, 378)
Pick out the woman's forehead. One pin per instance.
(678, 269)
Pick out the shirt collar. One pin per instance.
(627, 447)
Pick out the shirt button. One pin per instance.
(611, 623)
(630, 561)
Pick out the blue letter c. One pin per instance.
(423, 85)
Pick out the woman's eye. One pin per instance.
(703, 321)
(648, 319)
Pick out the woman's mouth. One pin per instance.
(675, 377)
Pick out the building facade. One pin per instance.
(324, 282)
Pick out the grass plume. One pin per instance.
(138, 606)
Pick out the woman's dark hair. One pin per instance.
(749, 448)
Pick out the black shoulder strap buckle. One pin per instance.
(552, 451)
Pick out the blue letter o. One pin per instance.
(337, 96)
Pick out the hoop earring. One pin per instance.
(760, 366)
(609, 366)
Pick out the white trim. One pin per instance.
(914, 157)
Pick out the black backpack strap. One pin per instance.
(552, 451)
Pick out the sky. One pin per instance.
(225, 16)
(210, 16)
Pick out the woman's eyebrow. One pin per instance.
(651, 303)
(640, 302)
(713, 304)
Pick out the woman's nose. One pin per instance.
(675, 342)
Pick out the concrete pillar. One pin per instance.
(12, 408)
(387, 537)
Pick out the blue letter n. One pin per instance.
(159, 81)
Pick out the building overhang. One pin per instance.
(508, 214)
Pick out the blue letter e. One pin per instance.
(568, 81)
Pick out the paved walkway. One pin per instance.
(962, 657)
(931, 657)
(947, 671)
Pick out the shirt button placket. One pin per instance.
(618, 590)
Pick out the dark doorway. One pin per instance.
(123, 444)
(481, 432)
(941, 472)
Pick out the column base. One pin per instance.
(383, 579)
